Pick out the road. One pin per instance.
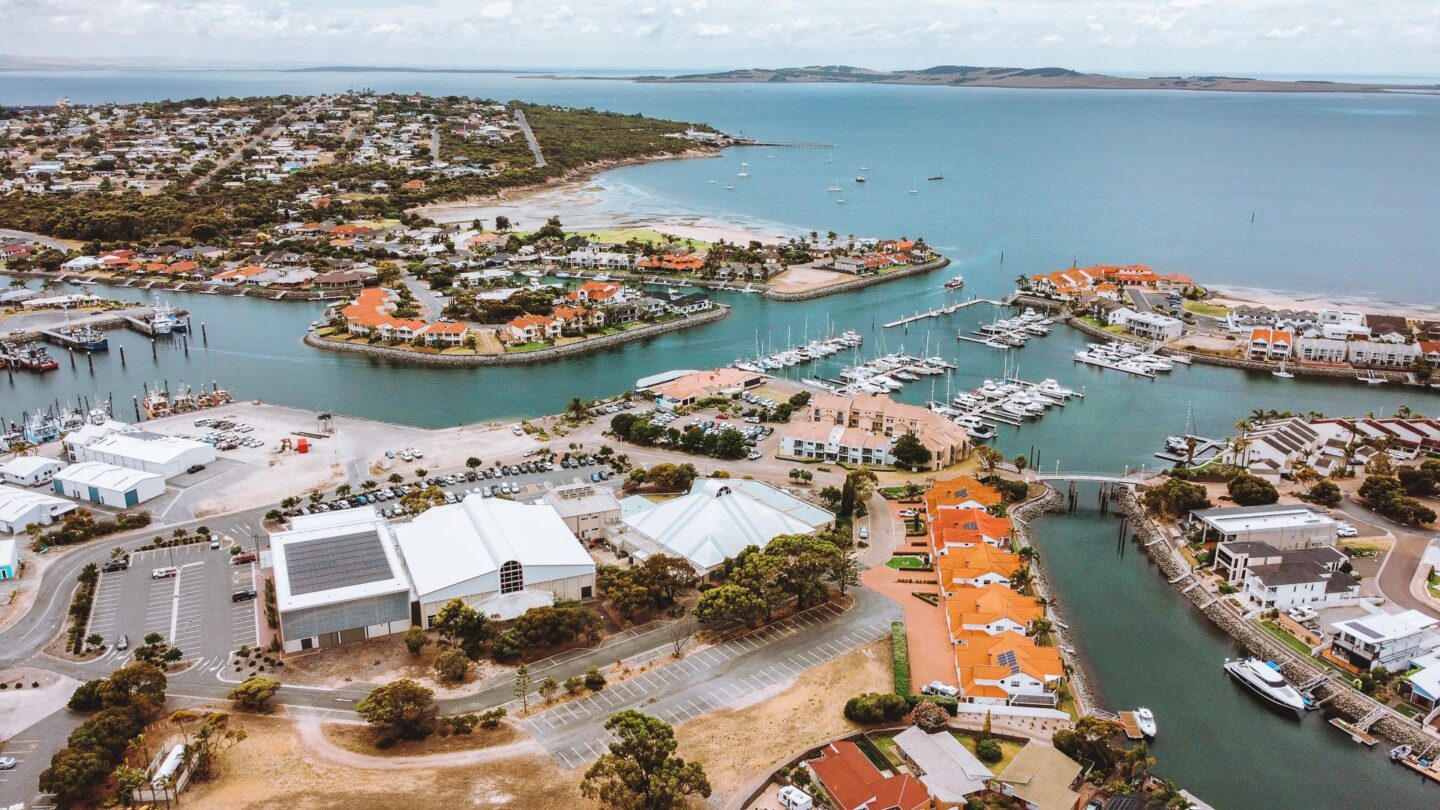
(530, 139)
(55, 244)
(1399, 568)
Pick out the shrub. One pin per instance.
(594, 681)
(900, 657)
(929, 716)
(492, 718)
(573, 685)
(875, 707)
(452, 665)
(988, 752)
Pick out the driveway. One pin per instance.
(1401, 563)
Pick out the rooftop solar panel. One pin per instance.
(329, 563)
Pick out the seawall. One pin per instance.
(594, 344)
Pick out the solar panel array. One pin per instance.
(1007, 659)
(1363, 628)
(329, 563)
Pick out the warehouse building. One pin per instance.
(498, 556)
(165, 456)
(21, 507)
(338, 578)
(30, 471)
(108, 484)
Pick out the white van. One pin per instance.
(793, 798)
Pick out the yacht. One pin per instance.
(981, 432)
(532, 273)
(1265, 680)
(833, 188)
(604, 277)
(955, 283)
(859, 178)
(1145, 719)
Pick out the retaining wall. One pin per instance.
(594, 344)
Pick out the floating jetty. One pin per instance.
(1009, 401)
(948, 309)
(1010, 333)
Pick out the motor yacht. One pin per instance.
(1145, 719)
(1264, 679)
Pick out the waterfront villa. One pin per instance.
(1007, 668)
(959, 529)
(1075, 282)
(1383, 354)
(1282, 445)
(835, 443)
(1152, 326)
(533, 328)
(879, 414)
(1387, 640)
(371, 313)
(964, 492)
(991, 609)
(1270, 344)
(600, 292)
(976, 566)
(1271, 578)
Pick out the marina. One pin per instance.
(1127, 357)
(1010, 333)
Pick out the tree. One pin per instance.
(909, 452)
(1385, 495)
(548, 688)
(594, 679)
(1324, 492)
(464, 626)
(1249, 490)
(400, 709)
(875, 707)
(1089, 740)
(989, 752)
(640, 771)
(1021, 462)
(418, 500)
(502, 223)
(522, 687)
(396, 479)
(669, 575)
(342, 491)
(254, 692)
(1175, 497)
(416, 640)
(140, 685)
(858, 486)
(212, 738)
(729, 602)
(929, 716)
(473, 462)
(806, 562)
(452, 665)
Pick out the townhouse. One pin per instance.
(947, 442)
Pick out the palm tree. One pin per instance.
(369, 484)
(1027, 554)
(395, 478)
(1021, 579)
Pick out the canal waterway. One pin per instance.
(1342, 188)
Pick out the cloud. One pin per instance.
(710, 30)
(497, 11)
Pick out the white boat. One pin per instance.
(1282, 373)
(1399, 752)
(604, 277)
(955, 283)
(833, 188)
(859, 178)
(743, 174)
(532, 273)
(1266, 681)
(1145, 719)
(982, 432)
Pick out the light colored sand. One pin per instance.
(805, 278)
(580, 207)
(1277, 299)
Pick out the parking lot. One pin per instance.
(703, 681)
(193, 609)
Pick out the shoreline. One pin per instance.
(1232, 296)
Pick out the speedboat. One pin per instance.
(1145, 719)
(981, 432)
(1265, 680)
(1399, 752)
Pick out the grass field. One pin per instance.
(1202, 308)
(1008, 750)
(905, 562)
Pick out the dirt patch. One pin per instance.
(380, 660)
(361, 740)
(272, 768)
(740, 746)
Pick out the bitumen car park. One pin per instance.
(184, 593)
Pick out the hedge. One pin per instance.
(900, 653)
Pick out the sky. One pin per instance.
(1254, 37)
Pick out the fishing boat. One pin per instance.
(166, 319)
(1145, 719)
(34, 358)
(1264, 679)
(85, 337)
(955, 283)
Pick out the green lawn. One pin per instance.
(1290, 641)
(905, 562)
(1202, 308)
(1008, 749)
(527, 347)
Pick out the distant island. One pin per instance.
(1033, 78)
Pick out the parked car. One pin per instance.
(194, 468)
(164, 573)
(243, 596)
(940, 688)
(214, 542)
(243, 558)
(864, 532)
(1346, 530)
(122, 643)
(116, 565)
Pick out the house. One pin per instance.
(947, 442)
(1321, 350)
(21, 507)
(165, 456)
(947, 769)
(963, 492)
(446, 333)
(845, 445)
(600, 292)
(1006, 668)
(1153, 326)
(854, 783)
(1380, 354)
(1272, 578)
(1281, 526)
(590, 512)
(1040, 777)
(1430, 352)
(991, 609)
(338, 579)
(496, 555)
(1270, 344)
(1388, 328)
(1388, 640)
(98, 482)
(30, 471)
(689, 303)
(533, 328)
(976, 566)
(952, 529)
(717, 519)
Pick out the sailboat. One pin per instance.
(1282, 373)
(914, 189)
(833, 187)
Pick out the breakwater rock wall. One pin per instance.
(402, 355)
(858, 282)
(1086, 699)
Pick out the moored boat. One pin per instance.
(1264, 679)
(1145, 719)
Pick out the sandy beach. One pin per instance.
(1279, 299)
(581, 205)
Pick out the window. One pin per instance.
(586, 591)
(512, 577)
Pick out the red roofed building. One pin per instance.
(533, 328)
(370, 314)
(579, 318)
(964, 528)
(413, 184)
(854, 783)
(602, 292)
(1270, 344)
